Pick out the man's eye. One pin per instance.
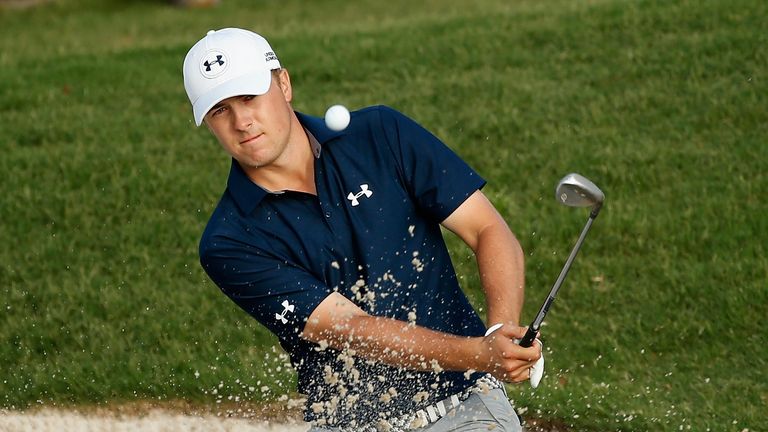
(218, 111)
(247, 98)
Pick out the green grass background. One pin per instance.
(106, 185)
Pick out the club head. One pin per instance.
(575, 190)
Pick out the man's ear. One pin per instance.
(284, 81)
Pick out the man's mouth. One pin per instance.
(251, 139)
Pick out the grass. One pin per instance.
(107, 186)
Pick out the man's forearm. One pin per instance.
(499, 256)
(402, 344)
(340, 324)
(500, 262)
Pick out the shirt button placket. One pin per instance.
(326, 211)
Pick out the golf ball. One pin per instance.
(337, 118)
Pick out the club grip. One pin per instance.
(529, 337)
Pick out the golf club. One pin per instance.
(573, 190)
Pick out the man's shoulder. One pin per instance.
(373, 117)
(224, 225)
(376, 110)
(377, 114)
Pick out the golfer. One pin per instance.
(332, 240)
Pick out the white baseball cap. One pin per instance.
(225, 63)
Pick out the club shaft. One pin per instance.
(534, 327)
(563, 273)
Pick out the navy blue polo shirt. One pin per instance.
(372, 233)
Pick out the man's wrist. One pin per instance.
(477, 356)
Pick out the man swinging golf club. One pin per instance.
(332, 241)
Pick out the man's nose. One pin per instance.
(243, 117)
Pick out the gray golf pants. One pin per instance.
(480, 412)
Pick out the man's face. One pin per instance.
(255, 129)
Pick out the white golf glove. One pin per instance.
(537, 370)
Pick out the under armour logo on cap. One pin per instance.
(213, 64)
(218, 60)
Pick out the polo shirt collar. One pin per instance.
(248, 194)
(316, 126)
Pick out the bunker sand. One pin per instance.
(50, 420)
(178, 416)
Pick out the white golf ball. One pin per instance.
(337, 118)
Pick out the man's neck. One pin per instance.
(295, 169)
(300, 176)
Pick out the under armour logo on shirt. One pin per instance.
(287, 307)
(363, 191)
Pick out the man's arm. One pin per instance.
(341, 324)
(500, 258)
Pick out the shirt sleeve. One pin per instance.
(437, 178)
(281, 296)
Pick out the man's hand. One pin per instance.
(503, 358)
